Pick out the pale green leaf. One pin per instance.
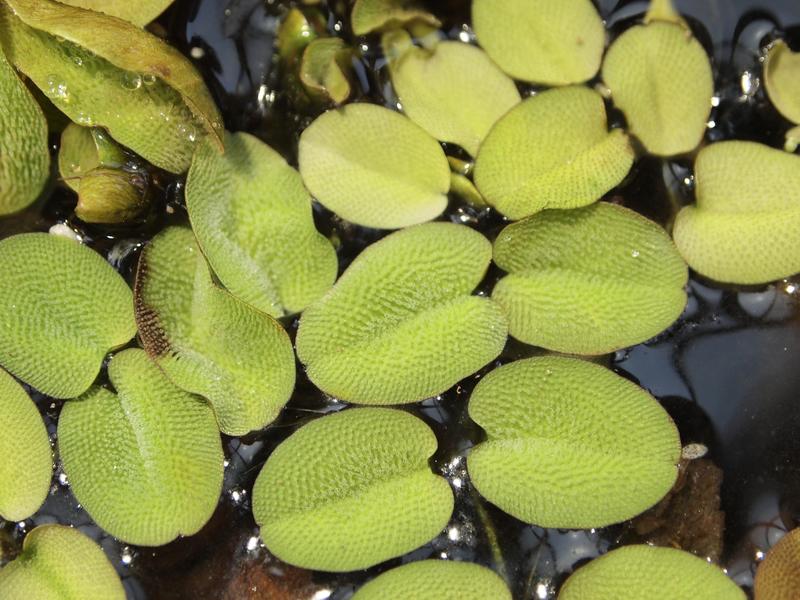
(60, 563)
(400, 325)
(375, 15)
(207, 341)
(83, 149)
(637, 572)
(782, 80)
(26, 465)
(552, 151)
(351, 490)
(145, 462)
(552, 42)
(374, 167)
(462, 186)
(139, 12)
(778, 576)
(570, 444)
(111, 196)
(590, 280)
(62, 308)
(743, 228)
(252, 217)
(324, 69)
(660, 77)
(663, 10)
(24, 155)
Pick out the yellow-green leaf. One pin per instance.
(374, 167)
(140, 12)
(207, 341)
(351, 490)
(400, 325)
(62, 308)
(590, 280)
(375, 15)
(782, 80)
(552, 42)
(324, 69)
(111, 196)
(26, 465)
(778, 577)
(743, 228)
(83, 149)
(552, 151)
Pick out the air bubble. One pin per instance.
(148, 79)
(57, 88)
(131, 80)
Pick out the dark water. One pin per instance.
(726, 371)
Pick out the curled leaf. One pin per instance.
(374, 167)
(552, 151)
(139, 13)
(782, 80)
(83, 149)
(207, 341)
(743, 228)
(62, 308)
(552, 42)
(351, 490)
(111, 196)
(403, 314)
(590, 280)
(324, 68)
(778, 577)
(375, 15)
(145, 462)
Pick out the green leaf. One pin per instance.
(782, 80)
(590, 280)
(455, 93)
(252, 217)
(62, 308)
(207, 341)
(376, 15)
(743, 228)
(551, 42)
(400, 325)
(570, 444)
(351, 490)
(324, 69)
(140, 12)
(111, 196)
(778, 576)
(27, 462)
(60, 563)
(24, 154)
(552, 151)
(374, 167)
(104, 71)
(83, 149)
(639, 571)
(145, 462)
(436, 580)
(660, 77)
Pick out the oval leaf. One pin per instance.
(111, 196)
(639, 571)
(552, 151)
(552, 42)
(373, 15)
(140, 12)
(570, 444)
(207, 341)
(660, 77)
(743, 228)
(374, 167)
(400, 325)
(588, 281)
(27, 462)
(324, 69)
(782, 80)
(146, 462)
(62, 307)
(60, 563)
(351, 490)
(778, 577)
(252, 217)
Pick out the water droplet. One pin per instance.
(77, 60)
(83, 118)
(131, 80)
(148, 79)
(57, 88)
(635, 253)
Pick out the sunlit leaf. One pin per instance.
(252, 217)
(552, 151)
(374, 15)
(636, 572)
(351, 490)
(590, 280)
(207, 341)
(24, 155)
(145, 462)
(62, 307)
(60, 563)
(778, 577)
(324, 69)
(782, 80)
(743, 228)
(374, 167)
(83, 149)
(26, 463)
(140, 12)
(552, 42)
(111, 196)
(400, 325)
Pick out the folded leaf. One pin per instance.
(62, 308)
(111, 196)
(324, 69)
(207, 341)
(743, 228)
(552, 151)
(374, 15)
(83, 149)
(400, 325)
(140, 12)
(351, 490)
(374, 167)
(778, 577)
(252, 217)
(782, 80)
(590, 280)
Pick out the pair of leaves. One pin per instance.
(778, 577)
(351, 490)
(324, 69)
(403, 314)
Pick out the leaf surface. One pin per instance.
(778, 576)
(323, 69)
(139, 13)
(782, 80)
(374, 15)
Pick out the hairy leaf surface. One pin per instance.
(782, 80)
(140, 12)
(778, 576)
